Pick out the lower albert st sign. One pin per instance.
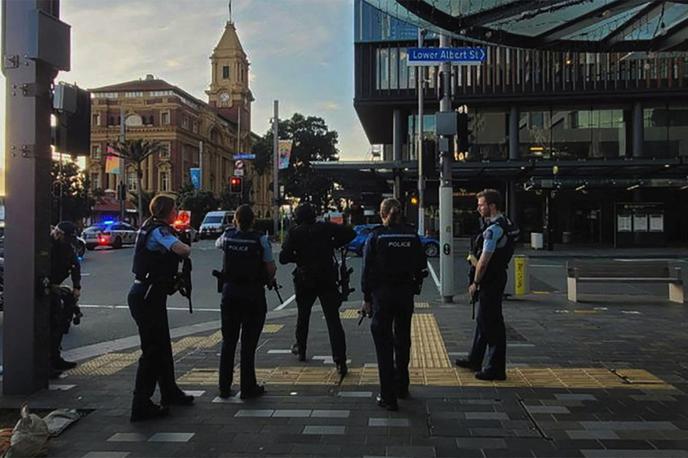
(436, 56)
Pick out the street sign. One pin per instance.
(238, 172)
(246, 156)
(436, 56)
(195, 175)
(239, 164)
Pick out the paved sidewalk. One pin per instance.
(583, 381)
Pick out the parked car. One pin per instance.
(80, 247)
(215, 223)
(431, 245)
(109, 233)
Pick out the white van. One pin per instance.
(215, 223)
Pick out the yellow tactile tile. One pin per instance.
(422, 305)
(272, 328)
(349, 314)
(427, 345)
(107, 364)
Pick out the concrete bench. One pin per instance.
(600, 271)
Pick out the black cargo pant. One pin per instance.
(61, 311)
(490, 331)
(245, 316)
(330, 301)
(156, 364)
(391, 330)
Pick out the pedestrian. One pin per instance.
(157, 255)
(311, 246)
(394, 266)
(64, 263)
(493, 250)
(248, 265)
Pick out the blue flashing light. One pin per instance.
(108, 223)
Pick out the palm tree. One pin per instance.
(136, 152)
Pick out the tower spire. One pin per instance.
(230, 12)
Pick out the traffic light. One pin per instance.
(414, 200)
(430, 171)
(236, 185)
(464, 134)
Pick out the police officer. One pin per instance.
(493, 252)
(248, 265)
(394, 266)
(157, 255)
(311, 246)
(63, 263)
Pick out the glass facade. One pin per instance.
(564, 133)
(665, 131)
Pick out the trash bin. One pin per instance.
(566, 237)
(537, 240)
(518, 277)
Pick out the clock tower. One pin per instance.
(229, 83)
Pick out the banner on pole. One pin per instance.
(195, 175)
(111, 162)
(284, 150)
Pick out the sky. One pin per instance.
(301, 53)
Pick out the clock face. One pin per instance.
(224, 97)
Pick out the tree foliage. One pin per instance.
(197, 202)
(136, 152)
(313, 141)
(70, 192)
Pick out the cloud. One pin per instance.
(301, 52)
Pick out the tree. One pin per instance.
(197, 202)
(313, 141)
(70, 193)
(135, 152)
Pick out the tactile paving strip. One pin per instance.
(570, 378)
(107, 364)
(422, 305)
(427, 345)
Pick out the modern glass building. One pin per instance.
(581, 142)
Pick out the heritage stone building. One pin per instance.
(195, 133)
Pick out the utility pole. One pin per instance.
(275, 178)
(121, 186)
(420, 73)
(30, 65)
(200, 165)
(446, 192)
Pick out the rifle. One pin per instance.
(184, 278)
(276, 286)
(344, 275)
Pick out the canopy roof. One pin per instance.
(567, 25)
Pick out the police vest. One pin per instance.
(396, 249)
(243, 257)
(499, 262)
(154, 266)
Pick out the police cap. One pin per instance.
(304, 213)
(68, 228)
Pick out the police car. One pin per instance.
(109, 233)
(431, 245)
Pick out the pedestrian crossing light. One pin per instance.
(414, 200)
(235, 185)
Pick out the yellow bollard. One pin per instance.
(521, 283)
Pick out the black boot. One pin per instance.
(147, 410)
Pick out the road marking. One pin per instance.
(434, 277)
(114, 307)
(285, 303)
(546, 265)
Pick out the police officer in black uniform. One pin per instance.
(394, 266)
(63, 263)
(156, 262)
(493, 249)
(248, 266)
(311, 246)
